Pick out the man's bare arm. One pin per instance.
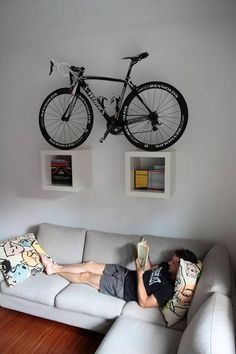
(143, 299)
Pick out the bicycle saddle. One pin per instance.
(138, 57)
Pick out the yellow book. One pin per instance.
(140, 179)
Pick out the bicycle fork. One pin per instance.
(71, 104)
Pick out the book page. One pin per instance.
(143, 252)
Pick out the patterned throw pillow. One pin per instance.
(20, 258)
(186, 280)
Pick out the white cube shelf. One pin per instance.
(136, 160)
(81, 165)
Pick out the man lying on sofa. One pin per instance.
(152, 288)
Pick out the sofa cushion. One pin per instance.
(211, 330)
(64, 244)
(131, 336)
(152, 315)
(215, 277)
(83, 298)
(162, 248)
(20, 258)
(41, 288)
(111, 248)
(186, 280)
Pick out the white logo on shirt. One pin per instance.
(155, 276)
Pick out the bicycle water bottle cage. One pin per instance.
(101, 100)
(116, 100)
(138, 57)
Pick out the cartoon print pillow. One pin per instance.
(20, 258)
(186, 280)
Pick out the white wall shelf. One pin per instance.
(81, 166)
(142, 160)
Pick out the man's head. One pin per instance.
(186, 255)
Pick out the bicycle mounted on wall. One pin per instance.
(153, 116)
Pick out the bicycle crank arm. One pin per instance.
(109, 129)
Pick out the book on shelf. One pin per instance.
(150, 179)
(140, 179)
(156, 179)
(143, 253)
(61, 171)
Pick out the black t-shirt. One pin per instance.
(156, 281)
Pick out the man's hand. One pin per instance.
(138, 266)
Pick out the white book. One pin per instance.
(143, 253)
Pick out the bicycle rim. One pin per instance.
(69, 134)
(166, 123)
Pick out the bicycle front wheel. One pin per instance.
(65, 132)
(155, 116)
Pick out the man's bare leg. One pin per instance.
(83, 278)
(54, 268)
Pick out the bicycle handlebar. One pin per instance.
(65, 69)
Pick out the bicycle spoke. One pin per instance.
(149, 131)
(70, 130)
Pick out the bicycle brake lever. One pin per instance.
(51, 67)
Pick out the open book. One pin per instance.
(143, 252)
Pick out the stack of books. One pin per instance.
(140, 179)
(150, 179)
(61, 171)
(156, 179)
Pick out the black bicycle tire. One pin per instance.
(89, 125)
(183, 120)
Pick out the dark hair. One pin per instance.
(186, 255)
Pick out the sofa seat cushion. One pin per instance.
(64, 244)
(211, 330)
(215, 277)
(151, 315)
(131, 336)
(85, 299)
(41, 288)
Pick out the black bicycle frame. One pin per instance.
(95, 100)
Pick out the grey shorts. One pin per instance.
(113, 279)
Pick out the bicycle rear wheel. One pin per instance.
(62, 133)
(155, 116)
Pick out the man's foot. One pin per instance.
(50, 267)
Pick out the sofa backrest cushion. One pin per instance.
(119, 248)
(215, 277)
(63, 244)
(108, 247)
(211, 330)
(162, 248)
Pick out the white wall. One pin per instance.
(191, 45)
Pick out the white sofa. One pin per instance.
(207, 329)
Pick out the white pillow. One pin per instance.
(20, 258)
(186, 280)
